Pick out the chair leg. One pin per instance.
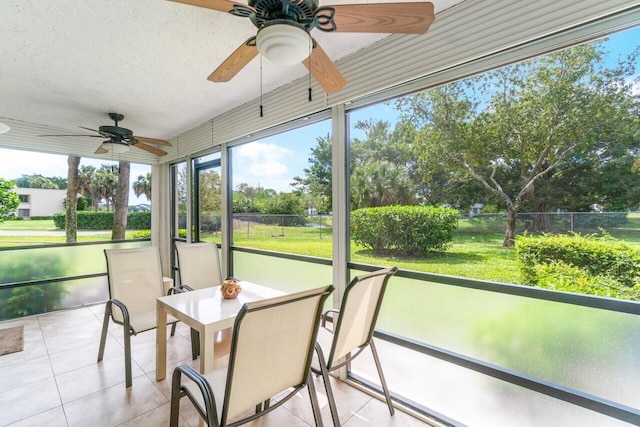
(175, 399)
(385, 389)
(127, 355)
(105, 326)
(173, 328)
(327, 386)
(195, 344)
(317, 416)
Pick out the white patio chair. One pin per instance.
(199, 266)
(135, 283)
(352, 331)
(271, 352)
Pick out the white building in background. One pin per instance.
(40, 202)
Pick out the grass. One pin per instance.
(46, 225)
(478, 256)
(475, 252)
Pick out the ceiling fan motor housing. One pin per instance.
(298, 11)
(118, 132)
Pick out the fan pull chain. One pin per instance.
(261, 108)
(309, 59)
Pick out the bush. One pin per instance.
(33, 299)
(560, 276)
(41, 217)
(104, 220)
(142, 234)
(404, 230)
(210, 222)
(138, 220)
(578, 263)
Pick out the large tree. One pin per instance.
(210, 188)
(142, 185)
(121, 201)
(515, 128)
(9, 200)
(317, 179)
(39, 181)
(86, 186)
(71, 202)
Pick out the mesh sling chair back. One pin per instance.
(135, 282)
(271, 351)
(199, 266)
(352, 332)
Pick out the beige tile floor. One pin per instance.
(56, 381)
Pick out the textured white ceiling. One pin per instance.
(67, 63)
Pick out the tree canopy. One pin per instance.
(522, 131)
(560, 131)
(9, 200)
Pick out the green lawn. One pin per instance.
(475, 252)
(32, 227)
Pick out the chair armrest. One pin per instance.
(209, 412)
(126, 319)
(325, 316)
(175, 290)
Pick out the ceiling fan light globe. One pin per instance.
(284, 44)
(116, 147)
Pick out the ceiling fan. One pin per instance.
(284, 28)
(119, 139)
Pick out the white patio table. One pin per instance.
(205, 311)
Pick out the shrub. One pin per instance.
(104, 220)
(560, 276)
(138, 220)
(598, 255)
(142, 234)
(404, 230)
(597, 265)
(210, 221)
(41, 217)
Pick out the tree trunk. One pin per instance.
(71, 209)
(510, 233)
(121, 202)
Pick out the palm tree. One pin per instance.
(142, 185)
(381, 183)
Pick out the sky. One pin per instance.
(13, 165)
(270, 162)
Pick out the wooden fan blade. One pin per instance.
(153, 141)
(219, 5)
(403, 18)
(324, 70)
(93, 130)
(101, 150)
(235, 62)
(150, 149)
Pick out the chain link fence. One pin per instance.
(255, 225)
(552, 222)
(289, 226)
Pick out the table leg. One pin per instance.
(161, 343)
(207, 340)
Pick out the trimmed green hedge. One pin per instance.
(404, 230)
(597, 265)
(104, 220)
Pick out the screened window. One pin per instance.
(282, 192)
(539, 154)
